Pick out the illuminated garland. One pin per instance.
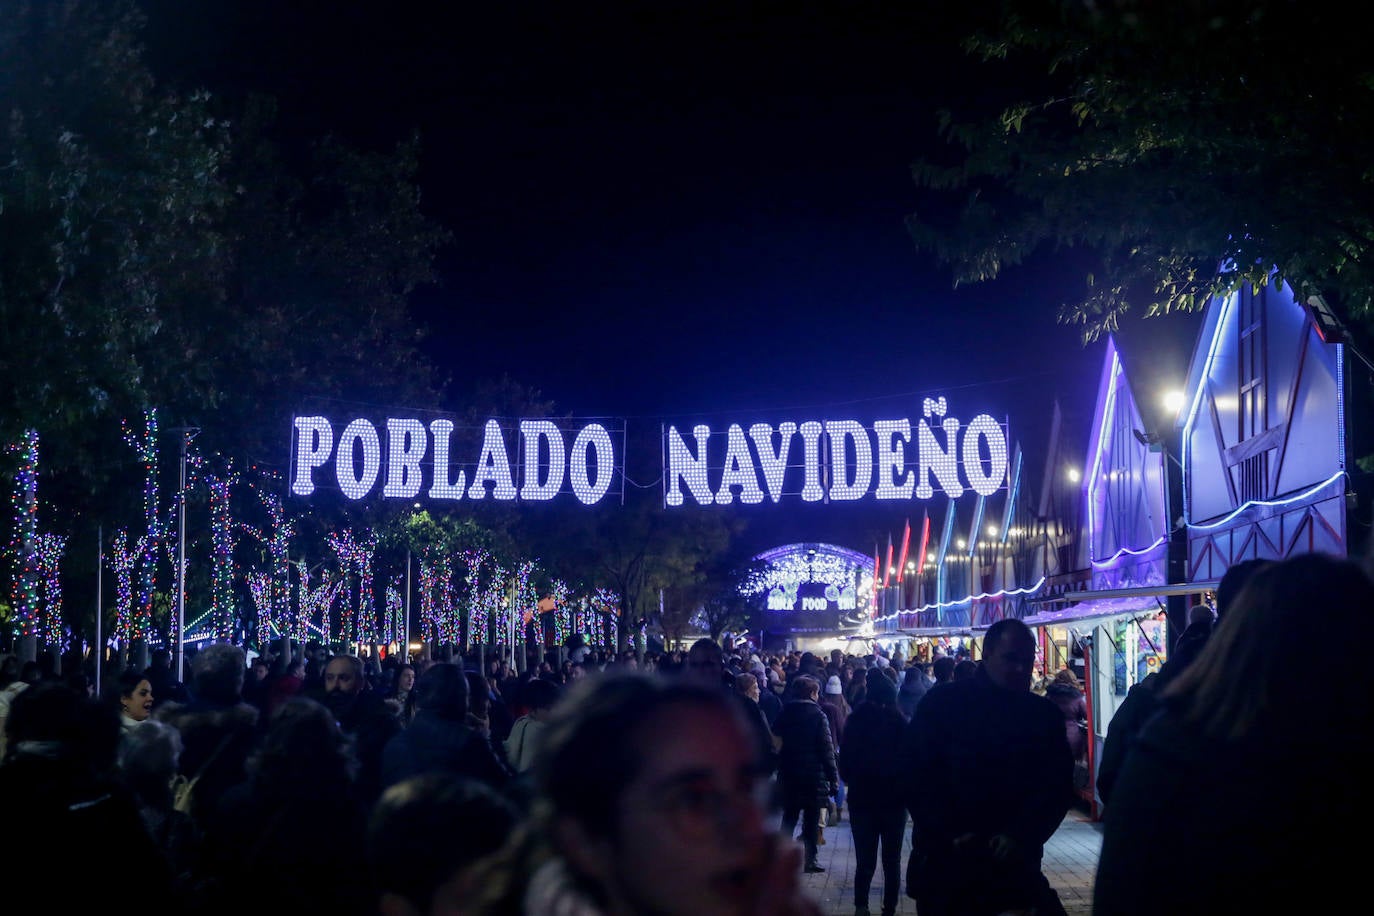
(606, 603)
(393, 626)
(438, 604)
(123, 561)
(222, 542)
(358, 622)
(478, 615)
(50, 548)
(526, 599)
(23, 539)
(145, 446)
(277, 540)
(318, 601)
(260, 586)
(562, 614)
(489, 603)
(582, 620)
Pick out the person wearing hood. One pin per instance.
(913, 689)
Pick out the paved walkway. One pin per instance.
(1070, 864)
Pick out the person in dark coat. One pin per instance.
(439, 739)
(989, 778)
(874, 777)
(218, 730)
(1068, 696)
(295, 829)
(807, 774)
(913, 688)
(1142, 700)
(1221, 789)
(363, 715)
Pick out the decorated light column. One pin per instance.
(23, 546)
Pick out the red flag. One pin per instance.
(925, 544)
(906, 545)
(877, 578)
(887, 571)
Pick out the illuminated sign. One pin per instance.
(839, 460)
(812, 585)
(534, 460)
(407, 458)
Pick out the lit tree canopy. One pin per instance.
(1163, 140)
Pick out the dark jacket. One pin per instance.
(771, 705)
(868, 766)
(1240, 826)
(913, 688)
(1141, 703)
(807, 774)
(837, 711)
(371, 724)
(985, 760)
(216, 740)
(431, 743)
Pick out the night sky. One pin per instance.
(673, 212)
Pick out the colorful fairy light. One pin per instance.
(438, 605)
(145, 446)
(606, 603)
(222, 542)
(358, 620)
(277, 539)
(50, 548)
(23, 539)
(260, 587)
(123, 561)
(394, 626)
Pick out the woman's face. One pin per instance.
(405, 679)
(697, 802)
(139, 704)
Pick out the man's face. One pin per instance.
(1012, 661)
(340, 677)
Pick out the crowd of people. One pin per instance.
(677, 782)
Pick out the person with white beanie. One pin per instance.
(836, 710)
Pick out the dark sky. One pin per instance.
(663, 211)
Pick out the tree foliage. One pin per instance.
(161, 248)
(1165, 140)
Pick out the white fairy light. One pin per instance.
(533, 432)
(842, 487)
(354, 485)
(739, 471)
(314, 443)
(492, 465)
(440, 431)
(595, 437)
(684, 467)
(403, 460)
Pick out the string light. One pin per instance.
(24, 536)
(840, 432)
(49, 550)
(357, 621)
(145, 446)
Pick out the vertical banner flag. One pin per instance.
(906, 547)
(887, 570)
